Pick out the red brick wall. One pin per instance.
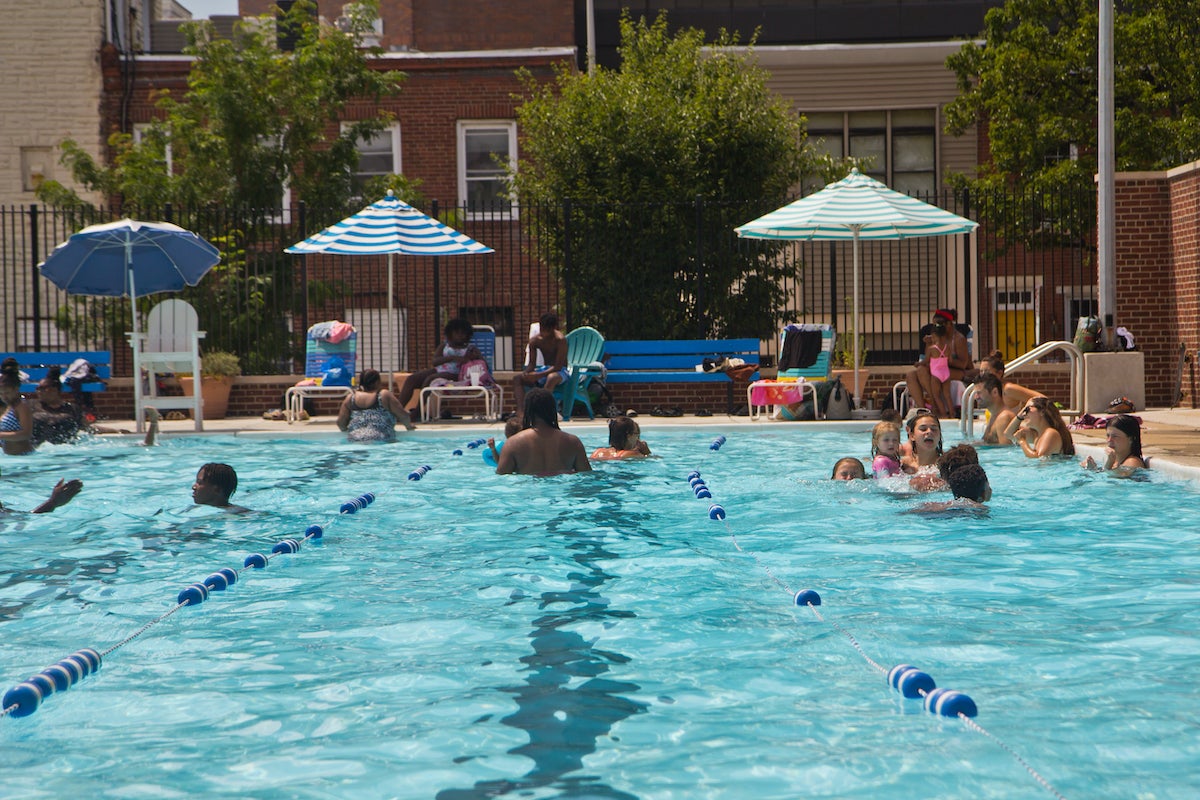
(1184, 190)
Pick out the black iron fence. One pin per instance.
(633, 270)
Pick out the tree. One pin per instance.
(1033, 82)
(656, 161)
(252, 120)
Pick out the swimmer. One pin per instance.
(1123, 448)
(624, 441)
(541, 448)
(885, 449)
(971, 489)
(1040, 431)
(62, 493)
(848, 469)
(924, 440)
(215, 484)
(512, 426)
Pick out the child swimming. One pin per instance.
(885, 450)
(848, 469)
(624, 441)
(491, 453)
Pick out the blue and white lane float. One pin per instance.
(907, 680)
(26, 697)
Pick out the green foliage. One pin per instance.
(252, 119)
(633, 150)
(1034, 82)
(219, 364)
(843, 352)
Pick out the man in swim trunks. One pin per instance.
(541, 448)
(550, 342)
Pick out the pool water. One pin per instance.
(472, 636)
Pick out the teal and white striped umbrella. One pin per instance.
(856, 207)
(388, 227)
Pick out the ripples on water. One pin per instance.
(471, 636)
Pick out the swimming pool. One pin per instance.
(471, 636)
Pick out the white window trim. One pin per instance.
(394, 129)
(474, 124)
(139, 132)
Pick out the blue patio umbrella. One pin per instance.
(387, 227)
(131, 259)
(854, 208)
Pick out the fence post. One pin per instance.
(568, 297)
(302, 221)
(967, 291)
(437, 288)
(701, 316)
(35, 258)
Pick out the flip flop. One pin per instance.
(703, 412)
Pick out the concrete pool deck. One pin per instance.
(1169, 434)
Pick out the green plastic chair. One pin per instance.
(585, 348)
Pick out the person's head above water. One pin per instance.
(971, 483)
(540, 405)
(848, 469)
(619, 431)
(215, 484)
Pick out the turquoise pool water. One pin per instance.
(470, 636)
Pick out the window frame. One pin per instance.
(393, 129)
(463, 128)
(891, 129)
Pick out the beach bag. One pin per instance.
(838, 404)
(1088, 333)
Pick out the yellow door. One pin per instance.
(1014, 332)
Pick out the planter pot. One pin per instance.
(215, 392)
(847, 376)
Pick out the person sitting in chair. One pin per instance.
(552, 344)
(448, 359)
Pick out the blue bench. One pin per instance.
(675, 361)
(36, 365)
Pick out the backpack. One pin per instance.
(839, 404)
(1088, 333)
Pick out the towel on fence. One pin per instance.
(800, 348)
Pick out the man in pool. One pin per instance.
(215, 484)
(541, 448)
(971, 490)
(62, 493)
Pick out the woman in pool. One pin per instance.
(924, 441)
(16, 424)
(371, 413)
(1040, 431)
(1123, 451)
(624, 441)
(55, 419)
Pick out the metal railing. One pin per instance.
(1077, 376)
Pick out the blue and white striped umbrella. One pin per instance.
(388, 227)
(854, 208)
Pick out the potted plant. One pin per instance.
(218, 368)
(842, 363)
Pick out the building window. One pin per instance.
(37, 167)
(485, 151)
(140, 129)
(901, 145)
(378, 156)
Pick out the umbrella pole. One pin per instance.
(854, 323)
(391, 322)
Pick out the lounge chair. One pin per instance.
(331, 344)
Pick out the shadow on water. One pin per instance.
(565, 722)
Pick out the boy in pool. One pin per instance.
(971, 489)
(215, 484)
(512, 426)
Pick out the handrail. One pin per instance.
(1075, 406)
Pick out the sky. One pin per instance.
(202, 9)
